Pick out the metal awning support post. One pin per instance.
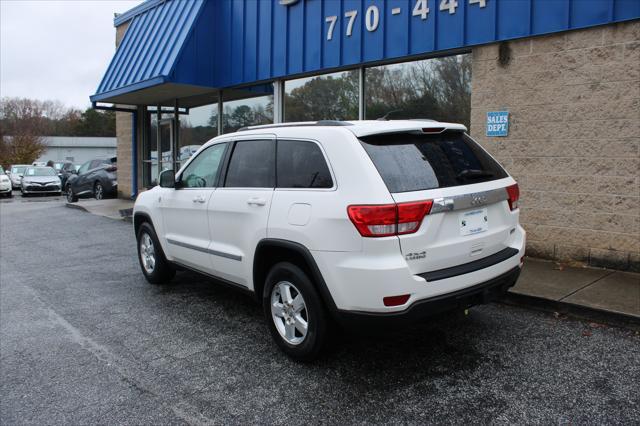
(176, 135)
(362, 104)
(278, 101)
(220, 113)
(134, 154)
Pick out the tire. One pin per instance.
(98, 191)
(283, 320)
(154, 265)
(71, 197)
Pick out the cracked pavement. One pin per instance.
(84, 339)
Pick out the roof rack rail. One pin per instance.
(294, 124)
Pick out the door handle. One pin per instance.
(199, 199)
(256, 201)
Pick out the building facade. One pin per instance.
(550, 87)
(77, 149)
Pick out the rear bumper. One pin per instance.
(482, 293)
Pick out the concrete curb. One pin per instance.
(612, 318)
(84, 209)
(76, 206)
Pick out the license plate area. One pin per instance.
(473, 222)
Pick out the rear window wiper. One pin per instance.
(474, 173)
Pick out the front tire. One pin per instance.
(71, 197)
(155, 266)
(294, 312)
(98, 191)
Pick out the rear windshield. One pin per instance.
(415, 161)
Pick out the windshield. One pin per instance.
(417, 161)
(40, 171)
(58, 166)
(18, 169)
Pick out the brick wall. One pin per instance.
(123, 133)
(574, 138)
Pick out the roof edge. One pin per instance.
(121, 18)
(103, 97)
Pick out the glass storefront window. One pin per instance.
(439, 89)
(324, 97)
(251, 111)
(150, 151)
(196, 128)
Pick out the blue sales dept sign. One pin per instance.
(497, 123)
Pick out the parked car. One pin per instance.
(5, 184)
(96, 178)
(40, 180)
(367, 223)
(16, 172)
(64, 169)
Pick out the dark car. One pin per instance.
(64, 169)
(95, 178)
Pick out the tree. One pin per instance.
(22, 122)
(93, 122)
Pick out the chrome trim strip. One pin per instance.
(205, 250)
(468, 201)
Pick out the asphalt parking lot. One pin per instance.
(84, 339)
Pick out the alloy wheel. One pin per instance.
(289, 312)
(99, 192)
(147, 253)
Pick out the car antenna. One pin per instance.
(386, 116)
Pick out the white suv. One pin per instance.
(363, 222)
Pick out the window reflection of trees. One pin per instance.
(439, 89)
(327, 97)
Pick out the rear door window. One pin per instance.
(416, 161)
(252, 165)
(300, 164)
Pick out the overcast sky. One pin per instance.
(56, 50)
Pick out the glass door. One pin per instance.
(165, 143)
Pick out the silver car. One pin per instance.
(40, 180)
(15, 174)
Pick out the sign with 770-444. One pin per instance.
(372, 14)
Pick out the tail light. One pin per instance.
(111, 168)
(389, 219)
(514, 194)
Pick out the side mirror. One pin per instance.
(167, 179)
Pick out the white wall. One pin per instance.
(78, 149)
(79, 154)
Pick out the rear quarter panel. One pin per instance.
(317, 218)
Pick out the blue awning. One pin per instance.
(150, 52)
